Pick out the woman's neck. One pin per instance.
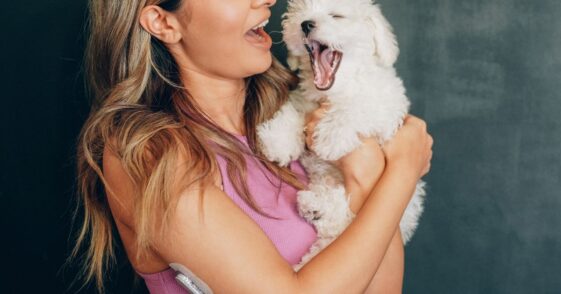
(221, 99)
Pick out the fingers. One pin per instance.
(409, 118)
(428, 165)
(426, 170)
(318, 112)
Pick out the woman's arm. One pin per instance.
(362, 169)
(360, 249)
(231, 253)
(389, 276)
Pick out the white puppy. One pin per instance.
(345, 51)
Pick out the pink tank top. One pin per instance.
(290, 233)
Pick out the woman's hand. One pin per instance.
(411, 147)
(361, 168)
(410, 150)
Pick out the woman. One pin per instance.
(168, 155)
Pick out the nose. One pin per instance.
(308, 26)
(267, 3)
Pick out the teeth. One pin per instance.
(263, 24)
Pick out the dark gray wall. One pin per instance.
(483, 74)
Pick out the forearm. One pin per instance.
(359, 192)
(360, 249)
(389, 277)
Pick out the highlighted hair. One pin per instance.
(143, 114)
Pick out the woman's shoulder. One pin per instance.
(121, 187)
(120, 198)
(118, 186)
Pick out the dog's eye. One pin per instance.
(335, 15)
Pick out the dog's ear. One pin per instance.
(293, 61)
(385, 41)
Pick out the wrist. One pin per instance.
(405, 170)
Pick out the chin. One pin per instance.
(261, 64)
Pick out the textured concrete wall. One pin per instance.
(485, 76)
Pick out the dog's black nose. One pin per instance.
(307, 26)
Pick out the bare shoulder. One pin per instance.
(121, 198)
(120, 193)
(210, 235)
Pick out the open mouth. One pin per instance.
(258, 36)
(325, 63)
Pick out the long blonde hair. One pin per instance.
(141, 112)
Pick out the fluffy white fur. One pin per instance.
(367, 98)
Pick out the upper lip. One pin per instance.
(261, 21)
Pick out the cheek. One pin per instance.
(215, 41)
(221, 20)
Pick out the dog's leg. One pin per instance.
(281, 138)
(327, 208)
(321, 171)
(334, 137)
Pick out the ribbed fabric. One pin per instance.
(291, 234)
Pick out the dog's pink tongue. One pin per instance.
(324, 67)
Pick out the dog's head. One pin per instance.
(330, 31)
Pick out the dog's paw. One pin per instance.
(327, 208)
(281, 138)
(309, 206)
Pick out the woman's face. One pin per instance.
(217, 37)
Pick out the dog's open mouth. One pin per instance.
(325, 63)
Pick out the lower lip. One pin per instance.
(260, 39)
